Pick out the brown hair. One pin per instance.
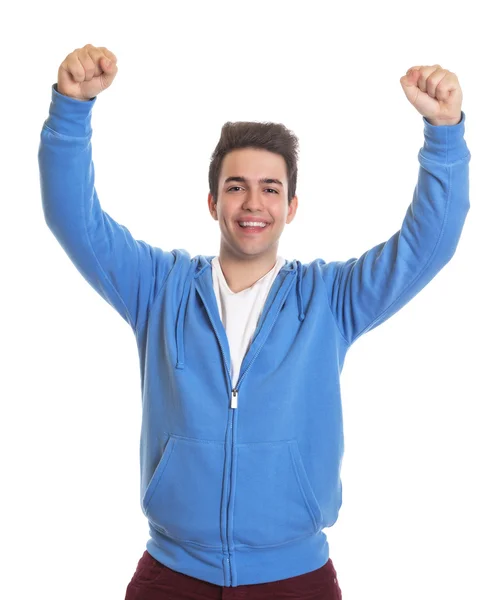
(274, 137)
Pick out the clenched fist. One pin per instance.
(435, 93)
(86, 72)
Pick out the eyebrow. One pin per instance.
(244, 180)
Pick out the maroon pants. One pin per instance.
(154, 581)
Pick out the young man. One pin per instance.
(241, 353)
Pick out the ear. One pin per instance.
(292, 209)
(212, 206)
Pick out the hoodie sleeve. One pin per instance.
(364, 292)
(125, 272)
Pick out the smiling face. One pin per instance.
(253, 187)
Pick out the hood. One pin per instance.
(198, 265)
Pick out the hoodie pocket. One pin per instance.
(274, 500)
(183, 498)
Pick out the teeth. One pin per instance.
(252, 224)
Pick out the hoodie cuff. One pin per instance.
(445, 143)
(69, 116)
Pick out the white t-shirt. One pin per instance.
(240, 311)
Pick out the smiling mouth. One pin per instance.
(253, 228)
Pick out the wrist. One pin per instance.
(439, 122)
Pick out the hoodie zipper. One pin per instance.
(233, 405)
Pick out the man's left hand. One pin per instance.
(435, 93)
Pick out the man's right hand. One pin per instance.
(83, 74)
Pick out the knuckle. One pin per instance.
(95, 54)
(88, 67)
(108, 54)
(77, 71)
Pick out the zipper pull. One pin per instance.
(234, 399)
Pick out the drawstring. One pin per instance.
(180, 325)
(299, 291)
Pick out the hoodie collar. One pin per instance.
(200, 263)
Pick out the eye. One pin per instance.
(239, 187)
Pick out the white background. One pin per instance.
(419, 487)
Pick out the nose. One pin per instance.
(253, 200)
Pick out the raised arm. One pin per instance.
(124, 271)
(366, 291)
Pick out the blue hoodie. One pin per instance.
(238, 484)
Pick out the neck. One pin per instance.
(242, 273)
